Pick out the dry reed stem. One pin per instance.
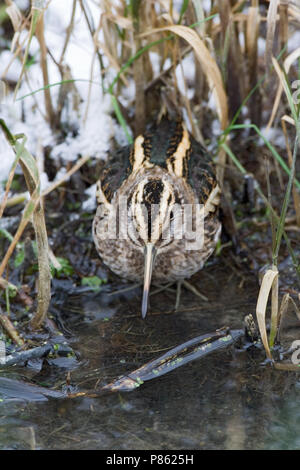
(286, 300)
(44, 280)
(69, 32)
(139, 80)
(95, 53)
(274, 311)
(35, 13)
(110, 38)
(283, 24)
(271, 26)
(39, 32)
(252, 32)
(282, 311)
(232, 63)
(15, 40)
(195, 130)
(33, 208)
(209, 66)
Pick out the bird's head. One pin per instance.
(151, 222)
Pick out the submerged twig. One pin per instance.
(24, 356)
(36, 353)
(196, 348)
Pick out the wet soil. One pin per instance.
(229, 400)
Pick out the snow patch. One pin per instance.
(90, 127)
(275, 136)
(90, 204)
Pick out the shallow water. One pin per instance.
(228, 400)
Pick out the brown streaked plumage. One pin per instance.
(165, 169)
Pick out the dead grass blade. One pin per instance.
(288, 119)
(9, 180)
(290, 59)
(274, 312)
(286, 300)
(282, 311)
(28, 211)
(33, 209)
(269, 279)
(36, 11)
(232, 63)
(14, 14)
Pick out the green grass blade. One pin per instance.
(245, 100)
(257, 188)
(285, 203)
(269, 145)
(56, 84)
(183, 9)
(120, 118)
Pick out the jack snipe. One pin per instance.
(149, 198)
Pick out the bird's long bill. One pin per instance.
(150, 253)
